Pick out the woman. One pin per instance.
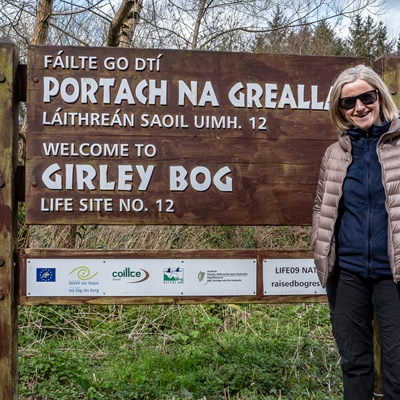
(356, 230)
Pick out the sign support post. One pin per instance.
(8, 220)
(387, 67)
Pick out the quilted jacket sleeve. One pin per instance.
(318, 199)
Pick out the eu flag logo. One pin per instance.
(45, 274)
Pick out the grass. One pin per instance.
(204, 352)
(176, 237)
(180, 352)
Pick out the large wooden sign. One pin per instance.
(125, 136)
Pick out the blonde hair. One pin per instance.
(388, 108)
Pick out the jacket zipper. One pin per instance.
(369, 206)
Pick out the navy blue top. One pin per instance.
(362, 225)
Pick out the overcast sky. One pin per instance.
(392, 17)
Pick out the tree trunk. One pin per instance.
(128, 27)
(196, 31)
(117, 22)
(41, 29)
(40, 34)
(65, 235)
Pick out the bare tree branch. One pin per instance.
(200, 16)
(176, 22)
(191, 24)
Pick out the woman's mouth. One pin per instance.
(362, 115)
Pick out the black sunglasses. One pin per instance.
(370, 97)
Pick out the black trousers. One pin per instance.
(352, 302)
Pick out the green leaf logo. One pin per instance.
(83, 273)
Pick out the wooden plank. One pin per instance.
(377, 360)
(260, 255)
(387, 67)
(32, 301)
(267, 188)
(8, 220)
(236, 143)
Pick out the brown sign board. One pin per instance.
(133, 136)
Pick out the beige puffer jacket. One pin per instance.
(333, 170)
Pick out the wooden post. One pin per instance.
(388, 67)
(377, 361)
(8, 220)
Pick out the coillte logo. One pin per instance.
(128, 273)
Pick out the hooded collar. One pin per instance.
(374, 131)
(393, 130)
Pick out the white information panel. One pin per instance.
(141, 277)
(291, 277)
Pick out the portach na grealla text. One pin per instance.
(154, 92)
(110, 90)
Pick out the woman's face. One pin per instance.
(362, 115)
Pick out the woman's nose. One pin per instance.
(359, 105)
